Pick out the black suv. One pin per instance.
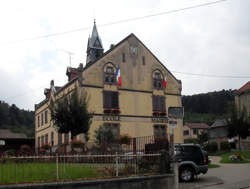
(192, 161)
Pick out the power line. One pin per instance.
(116, 22)
(25, 93)
(185, 73)
(212, 75)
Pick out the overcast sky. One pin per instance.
(210, 40)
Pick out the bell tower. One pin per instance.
(94, 48)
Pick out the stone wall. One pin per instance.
(144, 182)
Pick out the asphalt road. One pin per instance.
(228, 176)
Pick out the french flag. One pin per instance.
(164, 82)
(118, 77)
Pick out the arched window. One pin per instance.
(157, 79)
(109, 74)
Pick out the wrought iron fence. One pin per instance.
(146, 144)
(32, 169)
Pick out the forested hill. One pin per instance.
(207, 107)
(15, 119)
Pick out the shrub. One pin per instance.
(211, 147)
(225, 146)
(105, 172)
(46, 146)
(191, 140)
(236, 157)
(76, 144)
(124, 139)
(104, 135)
(25, 149)
(128, 169)
(10, 152)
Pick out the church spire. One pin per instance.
(94, 48)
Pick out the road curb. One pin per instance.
(208, 185)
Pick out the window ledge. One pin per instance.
(159, 113)
(111, 110)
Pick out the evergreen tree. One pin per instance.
(238, 123)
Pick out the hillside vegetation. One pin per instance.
(207, 107)
(15, 119)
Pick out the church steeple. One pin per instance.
(94, 48)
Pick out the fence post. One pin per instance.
(164, 162)
(57, 171)
(116, 164)
(176, 175)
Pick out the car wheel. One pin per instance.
(186, 174)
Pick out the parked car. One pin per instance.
(130, 156)
(192, 161)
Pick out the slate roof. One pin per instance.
(197, 125)
(219, 123)
(7, 134)
(94, 37)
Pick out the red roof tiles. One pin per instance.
(197, 125)
(245, 87)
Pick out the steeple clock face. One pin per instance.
(133, 50)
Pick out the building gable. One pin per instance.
(137, 64)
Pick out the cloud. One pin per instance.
(207, 40)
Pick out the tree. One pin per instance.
(104, 135)
(70, 114)
(238, 123)
(203, 137)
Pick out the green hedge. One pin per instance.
(225, 146)
(191, 140)
(211, 147)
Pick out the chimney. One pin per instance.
(71, 73)
(47, 93)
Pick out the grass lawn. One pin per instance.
(225, 157)
(213, 166)
(41, 172)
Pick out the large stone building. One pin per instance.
(193, 130)
(242, 101)
(242, 97)
(136, 105)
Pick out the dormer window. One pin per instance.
(157, 80)
(109, 74)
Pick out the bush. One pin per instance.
(46, 146)
(225, 146)
(124, 139)
(10, 152)
(25, 149)
(77, 144)
(235, 157)
(211, 147)
(191, 140)
(106, 172)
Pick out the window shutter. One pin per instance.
(59, 138)
(162, 103)
(115, 100)
(158, 108)
(154, 100)
(109, 99)
(156, 131)
(38, 142)
(105, 99)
